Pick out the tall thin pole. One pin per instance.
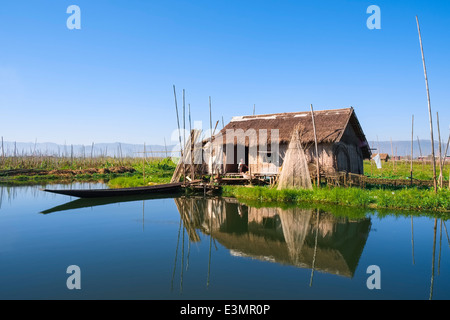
(3, 152)
(192, 142)
(392, 154)
(440, 152)
(429, 107)
(420, 151)
(211, 146)
(143, 165)
(178, 121)
(412, 153)
(315, 143)
(184, 138)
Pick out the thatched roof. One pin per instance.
(330, 126)
(383, 156)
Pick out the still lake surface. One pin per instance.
(213, 248)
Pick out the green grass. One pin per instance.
(157, 171)
(376, 198)
(401, 170)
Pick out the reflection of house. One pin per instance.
(299, 237)
(342, 145)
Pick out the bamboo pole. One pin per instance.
(429, 107)
(412, 153)
(420, 151)
(178, 122)
(393, 158)
(211, 145)
(143, 164)
(3, 152)
(184, 137)
(315, 143)
(440, 180)
(445, 153)
(191, 135)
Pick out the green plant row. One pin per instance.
(407, 198)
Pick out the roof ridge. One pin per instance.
(291, 113)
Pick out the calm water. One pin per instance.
(196, 248)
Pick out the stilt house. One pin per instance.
(262, 141)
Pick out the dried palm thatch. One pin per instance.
(330, 127)
(295, 172)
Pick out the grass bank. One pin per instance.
(125, 172)
(400, 169)
(157, 171)
(376, 198)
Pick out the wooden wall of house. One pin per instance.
(349, 146)
(345, 155)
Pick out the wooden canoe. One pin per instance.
(100, 193)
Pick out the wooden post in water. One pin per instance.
(429, 107)
(315, 144)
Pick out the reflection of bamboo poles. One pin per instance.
(210, 245)
(181, 204)
(315, 249)
(446, 233)
(182, 263)
(176, 256)
(432, 261)
(412, 239)
(440, 246)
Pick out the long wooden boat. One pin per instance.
(99, 193)
(94, 202)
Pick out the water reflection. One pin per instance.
(320, 240)
(305, 238)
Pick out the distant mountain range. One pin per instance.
(403, 148)
(118, 149)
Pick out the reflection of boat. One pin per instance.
(92, 202)
(98, 193)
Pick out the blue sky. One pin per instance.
(112, 80)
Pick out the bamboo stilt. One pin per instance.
(412, 153)
(440, 180)
(315, 144)
(429, 107)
